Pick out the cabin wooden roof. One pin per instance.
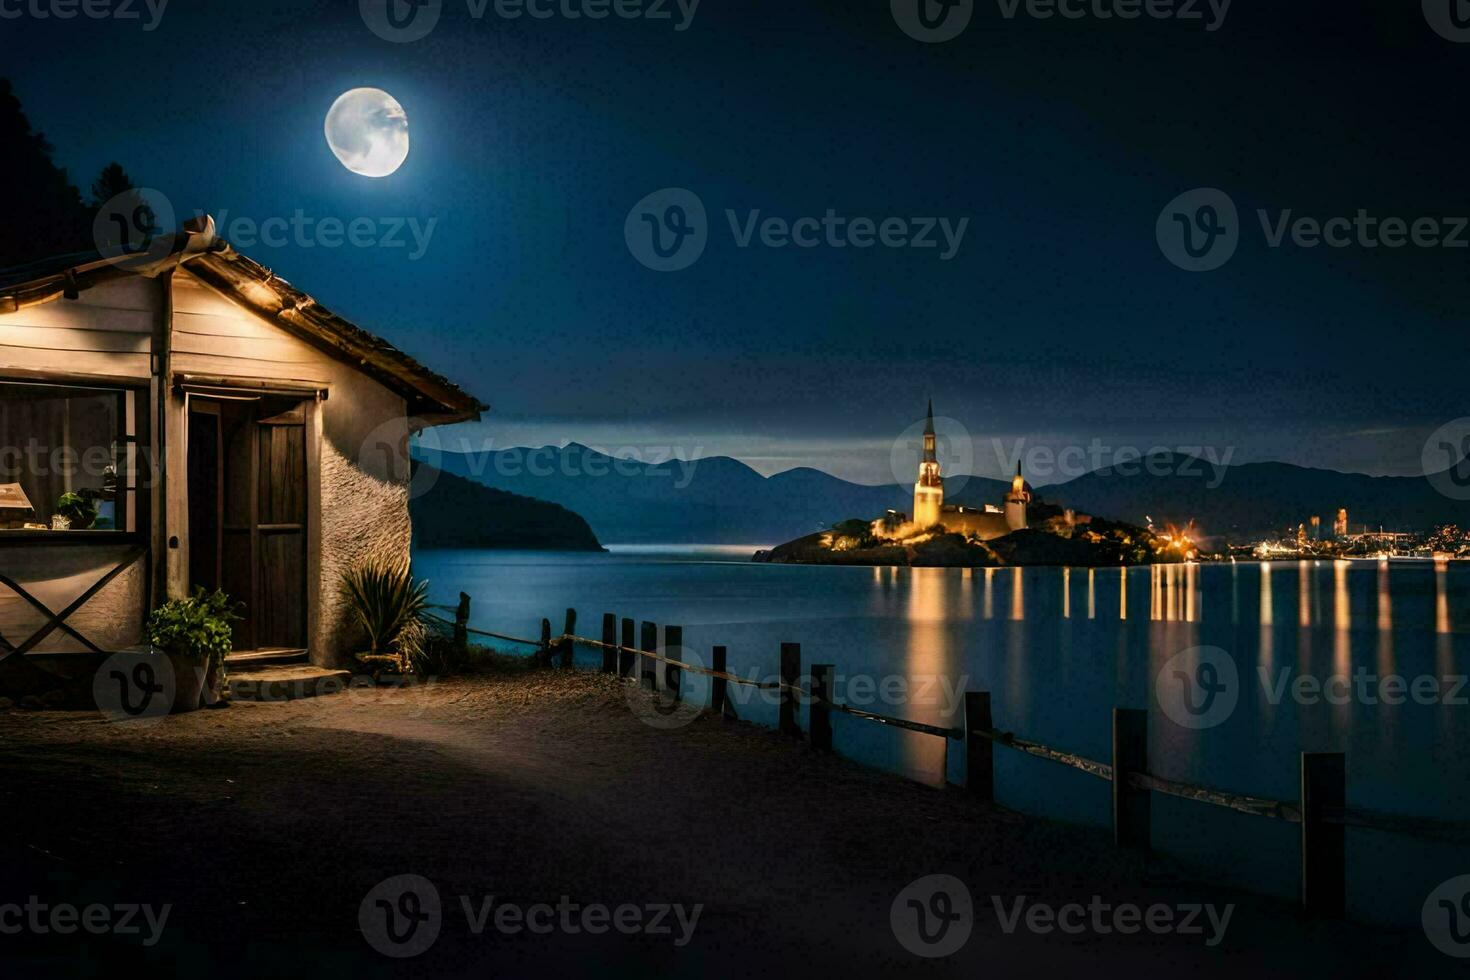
(430, 395)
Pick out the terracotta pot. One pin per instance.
(188, 683)
(215, 679)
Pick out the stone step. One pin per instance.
(248, 660)
(289, 682)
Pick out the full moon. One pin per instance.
(368, 131)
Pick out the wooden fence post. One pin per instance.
(545, 638)
(1324, 853)
(717, 684)
(609, 640)
(568, 633)
(625, 652)
(674, 649)
(647, 672)
(462, 626)
(790, 677)
(1131, 815)
(979, 749)
(819, 712)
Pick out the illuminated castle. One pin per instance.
(930, 508)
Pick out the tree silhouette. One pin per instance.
(41, 211)
(129, 220)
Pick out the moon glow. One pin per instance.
(368, 131)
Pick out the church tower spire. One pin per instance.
(929, 490)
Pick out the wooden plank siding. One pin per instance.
(105, 332)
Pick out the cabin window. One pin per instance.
(68, 459)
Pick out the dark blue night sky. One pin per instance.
(1059, 319)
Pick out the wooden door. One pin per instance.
(247, 514)
(280, 529)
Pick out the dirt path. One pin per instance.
(265, 827)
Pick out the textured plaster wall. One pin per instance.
(364, 501)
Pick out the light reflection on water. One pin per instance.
(1055, 677)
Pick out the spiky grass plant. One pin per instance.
(384, 599)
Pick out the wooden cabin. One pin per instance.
(184, 417)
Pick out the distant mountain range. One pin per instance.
(719, 500)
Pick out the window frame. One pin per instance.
(141, 484)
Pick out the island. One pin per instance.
(1021, 530)
(452, 512)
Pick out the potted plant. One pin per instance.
(79, 508)
(387, 603)
(195, 634)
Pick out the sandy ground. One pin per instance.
(265, 826)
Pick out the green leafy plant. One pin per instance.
(386, 601)
(78, 508)
(199, 628)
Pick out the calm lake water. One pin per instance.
(1321, 651)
